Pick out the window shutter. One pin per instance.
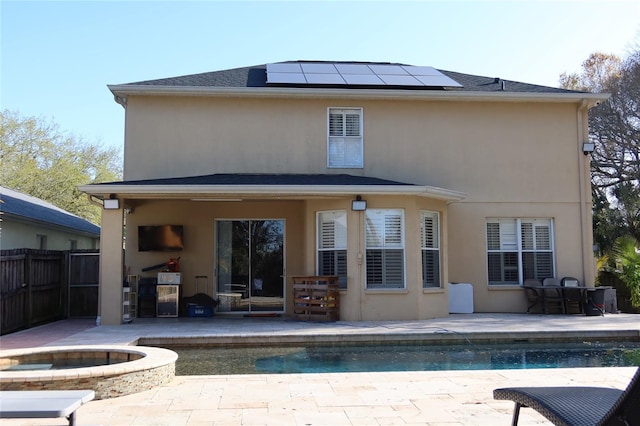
(345, 147)
(429, 230)
(332, 245)
(336, 123)
(508, 235)
(508, 263)
(353, 153)
(327, 234)
(526, 230)
(393, 230)
(385, 248)
(352, 124)
(375, 229)
(394, 268)
(430, 249)
(543, 237)
(493, 236)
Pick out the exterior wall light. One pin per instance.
(358, 204)
(112, 203)
(588, 147)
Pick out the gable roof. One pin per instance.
(266, 185)
(25, 207)
(252, 81)
(256, 76)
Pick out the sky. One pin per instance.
(57, 58)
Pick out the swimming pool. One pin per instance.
(403, 357)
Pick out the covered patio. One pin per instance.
(274, 219)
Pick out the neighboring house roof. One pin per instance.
(31, 209)
(240, 184)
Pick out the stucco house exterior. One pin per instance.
(32, 223)
(398, 179)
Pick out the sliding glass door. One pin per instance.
(250, 265)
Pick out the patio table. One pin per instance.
(43, 404)
(584, 293)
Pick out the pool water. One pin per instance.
(401, 357)
(62, 364)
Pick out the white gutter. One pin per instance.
(122, 91)
(273, 191)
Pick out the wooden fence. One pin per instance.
(84, 280)
(34, 288)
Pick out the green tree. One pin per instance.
(597, 70)
(614, 127)
(41, 160)
(627, 258)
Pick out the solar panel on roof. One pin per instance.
(360, 69)
(356, 74)
(421, 70)
(286, 78)
(400, 80)
(359, 79)
(388, 70)
(324, 79)
(437, 80)
(319, 69)
(285, 67)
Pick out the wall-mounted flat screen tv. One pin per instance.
(160, 238)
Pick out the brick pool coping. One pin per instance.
(143, 368)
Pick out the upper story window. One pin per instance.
(384, 241)
(519, 249)
(332, 245)
(344, 142)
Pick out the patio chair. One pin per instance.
(553, 298)
(535, 297)
(574, 295)
(578, 406)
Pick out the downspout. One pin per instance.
(585, 210)
(122, 100)
(94, 200)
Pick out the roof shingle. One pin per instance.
(25, 206)
(256, 77)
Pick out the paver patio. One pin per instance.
(399, 398)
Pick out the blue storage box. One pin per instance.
(194, 310)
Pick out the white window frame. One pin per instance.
(337, 245)
(384, 244)
(431, 247)
(512, 242)
(350, 155)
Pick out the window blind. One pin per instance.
(384, 240)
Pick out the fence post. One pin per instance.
(28, 259)
(64, 284)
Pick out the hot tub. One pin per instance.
(115, 370)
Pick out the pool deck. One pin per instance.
(435, 398)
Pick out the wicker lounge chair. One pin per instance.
(579, 406)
